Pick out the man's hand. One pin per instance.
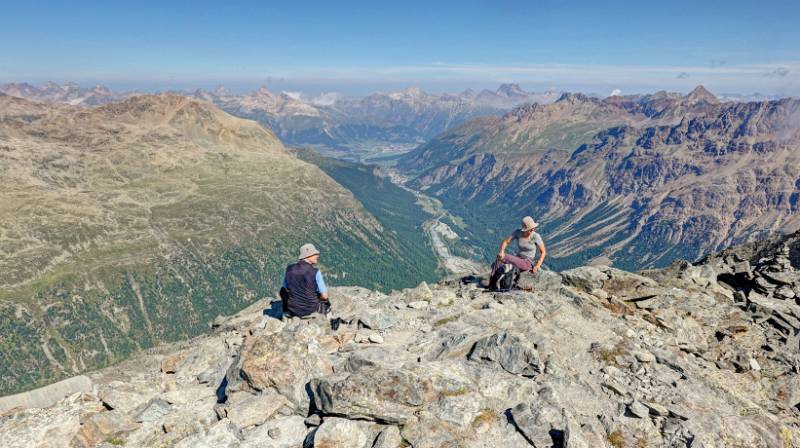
(535, 269)
(501, 255)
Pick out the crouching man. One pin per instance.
(304, 291)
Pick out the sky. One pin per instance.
(733, 46)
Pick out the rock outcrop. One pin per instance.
(703, 355)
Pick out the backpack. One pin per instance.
(505, 279)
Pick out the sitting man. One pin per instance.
(304, 291)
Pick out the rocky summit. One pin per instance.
(693, 355)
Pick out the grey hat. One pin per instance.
(528, 223)
(307, 250)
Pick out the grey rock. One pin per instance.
(313, 420)
(95, 428)
(254, 409)
(656, 409)
(511, 352)
(587, 278)
(388, 396)
(375, 338)
(459, 410)
(779, 278)
(223, 434)
(285, 361)
(421, 293)
(419, 304)
(638, 409)
(538, 421)
(784, 292)
(283, 432)
(428, 432)
(389, 437)
(377, 320)
(153, 411)
(339, 432)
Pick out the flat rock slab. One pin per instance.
(48, 395)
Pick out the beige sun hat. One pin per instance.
(528, 224)
(307, 250)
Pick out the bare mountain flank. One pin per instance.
(639, 180)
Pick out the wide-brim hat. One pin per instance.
(307, 250)
(528, 224)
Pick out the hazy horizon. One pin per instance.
(310, 91)
(736, 47)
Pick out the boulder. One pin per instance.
(339, 432)
(222, 434)
(389, 437)
(253, 410)
(421, 293)
(586, 278)
(153, 411)
(419, 304)
(125, 396)
(541, 423)
(458, 410)
(428, 432)
(543, 280)
(377, 320)
(511, 352)
(96, 428)
(282, 432)
(285, 361)
(382, 395)
(637, 409)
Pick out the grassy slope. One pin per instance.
(395, 208)
(116, 236)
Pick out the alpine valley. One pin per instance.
(637, 181)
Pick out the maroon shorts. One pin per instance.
(523, 264)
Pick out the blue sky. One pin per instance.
(731, 46)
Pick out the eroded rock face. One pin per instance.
(512, 353)
(285, 361)
(389, 396)
(693, 355)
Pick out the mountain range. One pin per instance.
(637, 180)
(381, 124)
(137, 222)
(115, 218)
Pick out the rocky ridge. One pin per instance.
(701, 355)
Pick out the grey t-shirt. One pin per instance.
(527, 247)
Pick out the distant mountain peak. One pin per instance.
(263, 90)
(700, 93)
(572, 98)
(510, 90)
(220, 90)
